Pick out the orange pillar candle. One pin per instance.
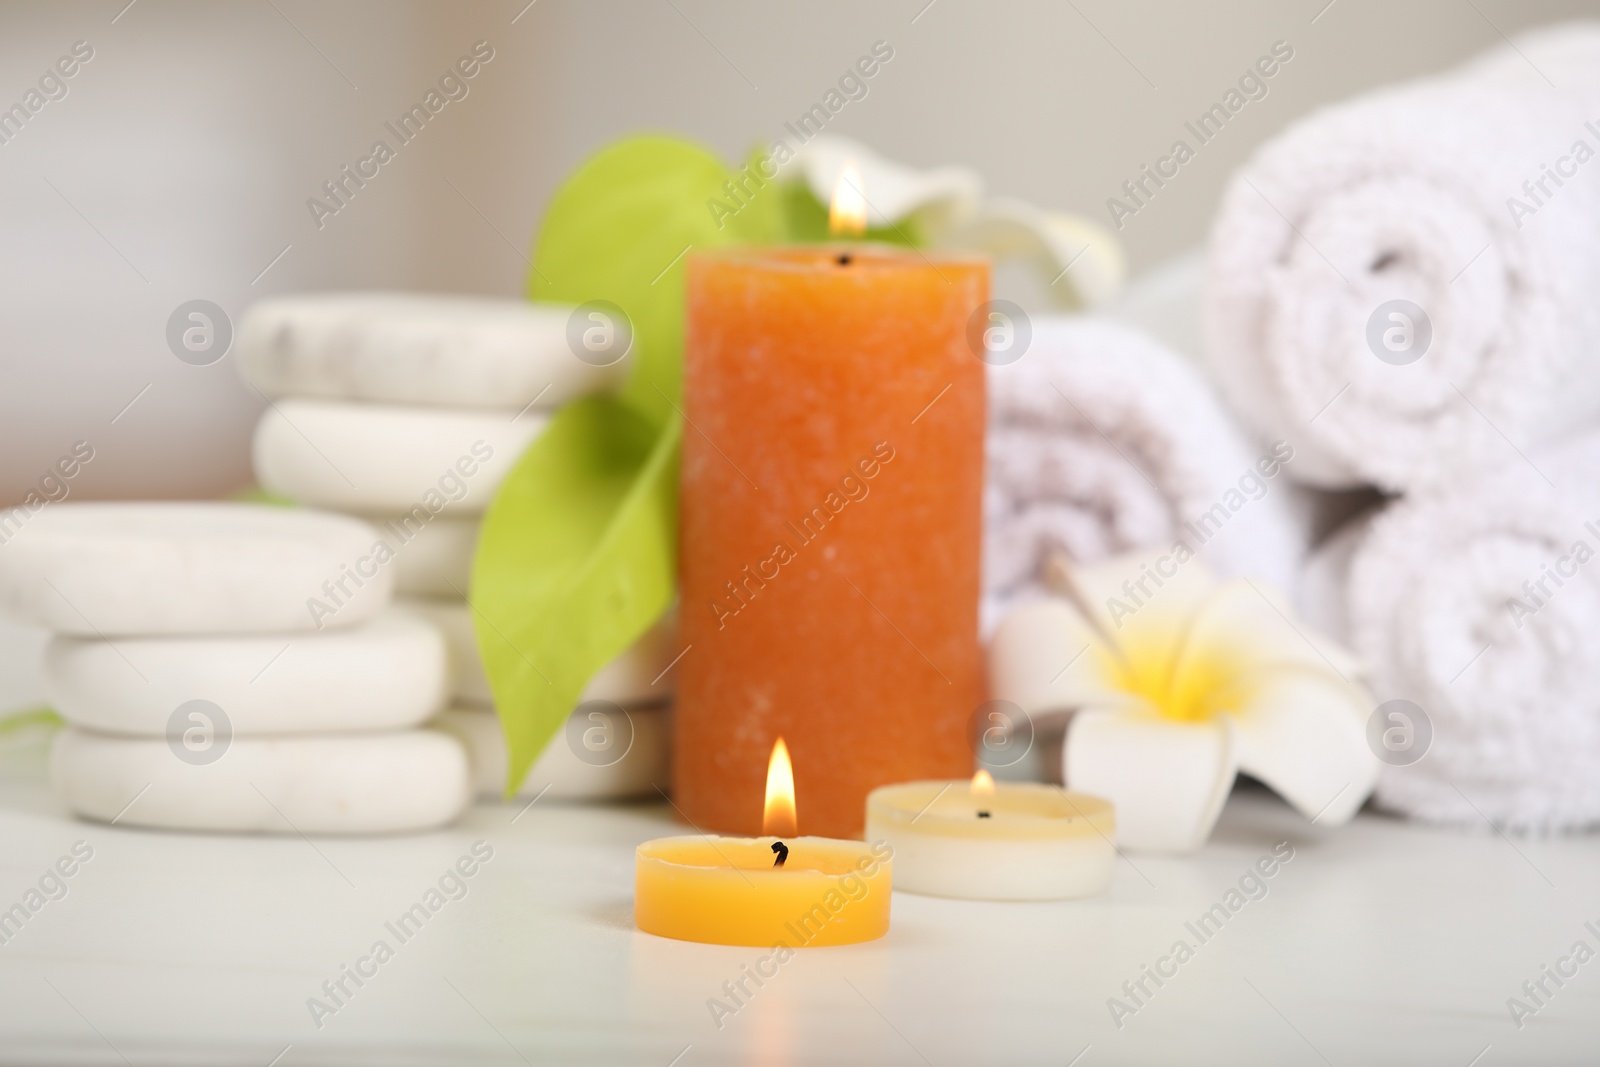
(831, 523)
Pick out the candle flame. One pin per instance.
(778, 816)
(847, 214)
(982, 784)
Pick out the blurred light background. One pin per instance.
(179, 163)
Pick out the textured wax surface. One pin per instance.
(835, 449)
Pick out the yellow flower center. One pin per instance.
(1187, 681)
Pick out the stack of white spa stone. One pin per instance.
(200, 692)
(409, 410)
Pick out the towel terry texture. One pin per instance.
(1473, 196)
(1103, 440)
(1479, 604)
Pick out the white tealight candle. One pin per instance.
(982, 841)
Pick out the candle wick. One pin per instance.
(983, 815)
(783, 853)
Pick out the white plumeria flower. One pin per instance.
(1175, 682)
(1079, 262)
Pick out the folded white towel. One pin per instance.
(1479, 605)
(1474, 196)
(1102, 440)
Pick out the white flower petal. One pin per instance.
(1304, 734)
(1132, 602)
(1253, 617)
(1167, 779)
(940, 197)
(1080, 262)
(1045, 658)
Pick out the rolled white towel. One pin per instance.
(1478, 605)
(1101, 440)
(1427, 193)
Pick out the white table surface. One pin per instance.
(1379, 942)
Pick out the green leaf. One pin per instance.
(577, 555)
(576, 559)
(29, 717)
(254, 494)
(620, 230)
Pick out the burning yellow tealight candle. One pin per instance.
(988, 841)
(776, 890)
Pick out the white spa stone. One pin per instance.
(329, 784)
(385, 674)
(384, 460)
(623, 759)
(432, 558)
(409, 348)
(113, 569)
(635, 677)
